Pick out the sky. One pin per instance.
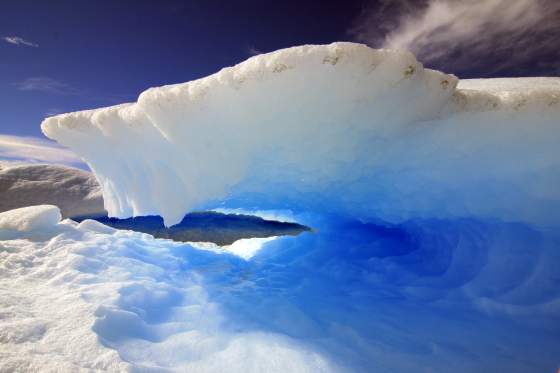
(59, 56)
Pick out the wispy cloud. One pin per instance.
(253, 51)
(500, 35)
(34, 149)
(16, 40)
(53, 111)
(47, 85)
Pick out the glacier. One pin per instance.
(433, 204)
(341, 129)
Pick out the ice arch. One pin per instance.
(339, 128)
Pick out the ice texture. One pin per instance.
(339, 128)
(74, 191)
(433, 203)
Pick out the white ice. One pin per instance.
(434, 205)
(337, 128)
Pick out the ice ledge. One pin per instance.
(468, 94)
(341, 127)
(399, 65)
(507, 94)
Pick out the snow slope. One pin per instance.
(70, 292)
(444, 296)
(74, 191)
(337, 128)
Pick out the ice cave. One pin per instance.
(433, 207)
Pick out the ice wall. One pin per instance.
(337, 129)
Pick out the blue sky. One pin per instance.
(61, 56)
(97, 53)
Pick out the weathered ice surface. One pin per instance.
(337, 128)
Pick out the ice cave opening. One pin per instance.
(216, 227)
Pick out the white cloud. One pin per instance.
(16, 40)
(34, 149)
(53, 111)
(46, 84)
(253, 51)
(456, 33)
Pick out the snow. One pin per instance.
(26, 220)
(245, 248)
(456, 296)
(73, 300)
(74, 191)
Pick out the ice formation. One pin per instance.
(359, 132)
(74, 191)
(434, 205)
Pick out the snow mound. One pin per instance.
(74, 191)
(28, 219)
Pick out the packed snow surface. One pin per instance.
(447, 296)
(27, 220)
(434, 205)
(74, 191)
(73, 298)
